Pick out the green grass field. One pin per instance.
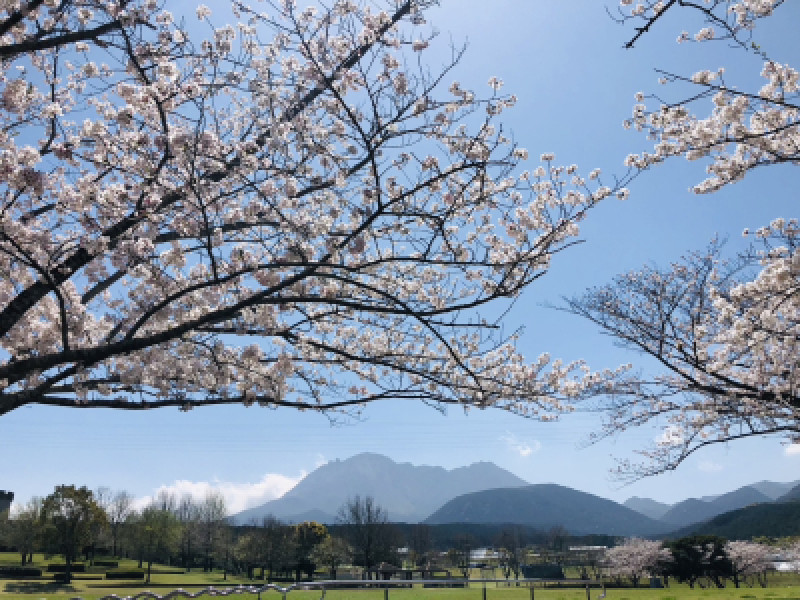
(90, 586)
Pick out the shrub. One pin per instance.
(14, 571)
(543, 571)
(62, 568)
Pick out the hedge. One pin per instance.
(62, 568)
(15, 571)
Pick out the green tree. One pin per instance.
(275, 546)
(70, 515)
(246, 550)
(698, 556)
(420, 544)
(331, 552)
(158, 531)
(461, 553)
(306, 536)
(23, 529)
(510, 543)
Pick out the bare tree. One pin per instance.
(187, 513)
(211, 513)
(117, 512)
(365, 526)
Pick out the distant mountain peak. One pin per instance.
(408, 492)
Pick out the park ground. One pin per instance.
(92, 586)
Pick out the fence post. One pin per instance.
(588, 593)
(531, 588)
(386, 593)
(484, 590)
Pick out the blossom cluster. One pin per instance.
(742, 130)
(286, 212)
(758, 334)
(636, 558)
(726, 329)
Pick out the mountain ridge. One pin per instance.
(408, 492)
(414, 493)
(547, 505)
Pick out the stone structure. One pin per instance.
(5, 501)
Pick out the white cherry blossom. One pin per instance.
(286, 211)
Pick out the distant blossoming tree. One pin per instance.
(289, 211)
(636, 558)
(725, 332)
(748, 559)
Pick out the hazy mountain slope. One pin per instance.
(694, 510)
(774, 489)
(647, 506)
(545, 506)
(409, 493)
(792, 494)
(774, 519)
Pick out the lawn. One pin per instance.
(91, 586)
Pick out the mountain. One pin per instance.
(545, 506)
(694, 510)
(775, 519)
(792, 494)
(774, 489)
(409, 493)
(647, 507)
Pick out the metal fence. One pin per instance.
(384, 585)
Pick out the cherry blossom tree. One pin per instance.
(748, 559)
(636, 558)
(745, 128)
(292, 211)
(725, 334)
(723, 331)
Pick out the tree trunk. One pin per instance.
(68, 569)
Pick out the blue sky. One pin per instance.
(576, 84)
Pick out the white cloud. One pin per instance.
(671, 436)
(238, 496)
(792, 450)
(708, 466)
(524, 449)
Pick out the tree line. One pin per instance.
(703, 560)
(196, 534)
(193, 534)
